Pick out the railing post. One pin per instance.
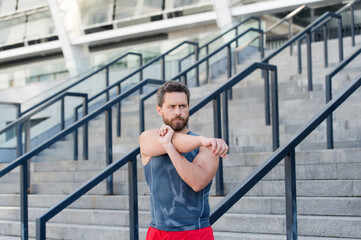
(291, 201)
(85, 130)
(140, 65)
(275, 117)
(236, 28)
(267, 98)
(299, 54)
(261, 44)
(329, 121)
(19, 148)
(133, 199)
(40, 229)
(184, 79)
(290, 33)
(196, 53)
(225, 122)
(340, 40)
(24, 183)
(27, 148)
(352, 9)
(309, 61)
(207, 65)
(179, 66)
(325, 44)
(19, 140)
(109, 147)
(218, 134)
(75, 134)
(162, 63)
(119, 113)
(141, 116)
(62, 113)
(107, 83)
(229, 67)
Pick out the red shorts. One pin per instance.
(199, 234)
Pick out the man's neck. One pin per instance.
(184, 130)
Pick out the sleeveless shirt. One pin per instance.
(174, 205)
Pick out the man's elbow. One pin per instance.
(198, 186)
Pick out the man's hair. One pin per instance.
(171, 86)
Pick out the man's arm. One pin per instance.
(150, 145)
(199, 173)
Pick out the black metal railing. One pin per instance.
(23, 160)
(328, 90)
(218, 96)
(106, 108)
(102, 68)
(24, 122)
(286, 152)
(182, 76)
(18, 114)
(44, 103)
(351, 7)
(207, 45)
(307, 33)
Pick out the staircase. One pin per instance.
(328, 181)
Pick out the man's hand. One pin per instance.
(165, 134)
(216, 145)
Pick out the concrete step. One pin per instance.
(344, 227)
(332, 206)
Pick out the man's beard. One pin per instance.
(176, 126)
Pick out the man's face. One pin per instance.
(175, 110)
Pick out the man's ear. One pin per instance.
(159, 110)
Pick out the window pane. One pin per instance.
(185, 3)
(26, 4)
(40, 25)
(12, 31)
(125, 8)
(96, 12)
(7, 6)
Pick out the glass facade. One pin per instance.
(24, 23)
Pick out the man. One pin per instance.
(179, 167)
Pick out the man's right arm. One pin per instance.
(150, 145)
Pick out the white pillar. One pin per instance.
(222, 9)
(67, 20)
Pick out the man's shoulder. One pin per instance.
(147, 133)
(192, 133)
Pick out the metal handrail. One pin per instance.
(322, 24)
(288, 18)
(25, 120)
(139, 70)
(182, 76)
(183, 73)
(307, 32)
(18, 130)
(23, 160)
(352, 10)
(131, 159)
(328, 93)
(206, 45)
(286, 152)
(350, 4)
(215, 97)
(83, 79)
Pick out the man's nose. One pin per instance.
(177, 111)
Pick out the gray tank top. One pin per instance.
(174, 205)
